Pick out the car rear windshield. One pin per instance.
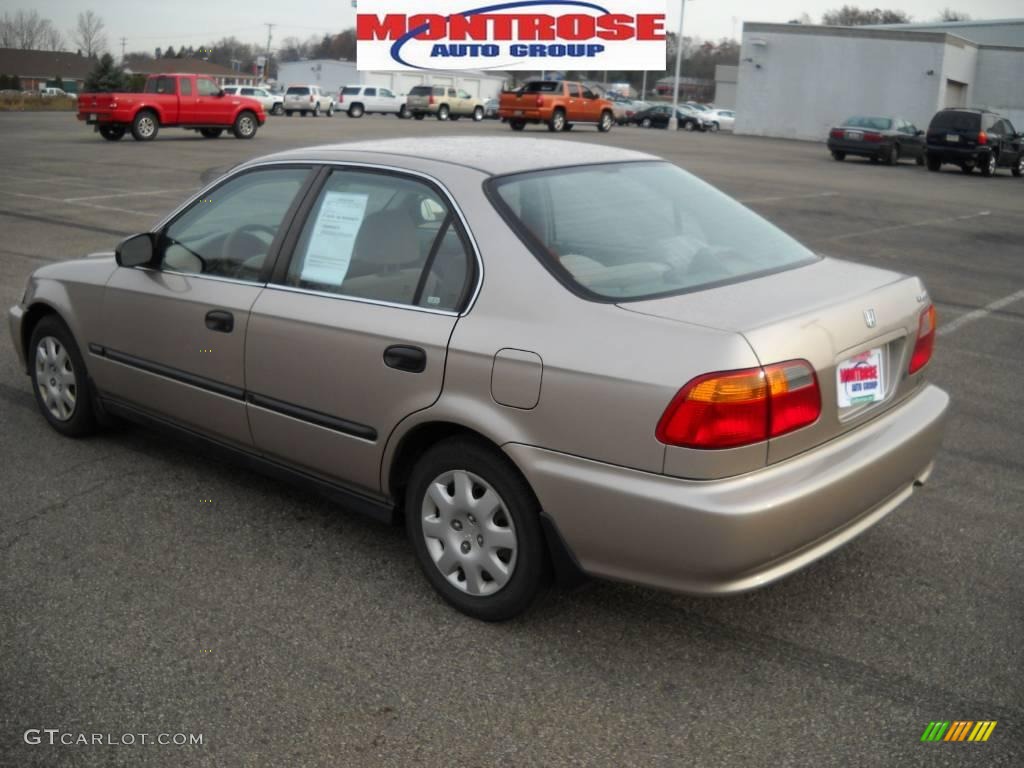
(875, 123)
(351, 90)
(421, 90)
(955, 121)
(541, 86)
(298, 91)
(628, 231)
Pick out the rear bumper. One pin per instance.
(529, 115)
(732, 535)
(957, 155)
(859, 148)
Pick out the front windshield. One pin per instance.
(636, 230)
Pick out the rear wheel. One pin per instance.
(893, 156)
(277, 109)
(112, 132)
(403, 113)
(517, 125)
(316, 110)
(689, 125)
(60, 380)
(245, 125)
(210, 133)
(933, 163)
(557, 122)
(1018, 167)
(474, 525)
(443, 113)
(838, 156)
(713, 127)
(646, 123)
(607, 121)
(145, 126)
(478, 114)
(330, 110)
(356, 110)
(988, 165)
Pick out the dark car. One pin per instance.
(974, 138)
(885, 139)
(658, 117)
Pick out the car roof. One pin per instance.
(492, 156)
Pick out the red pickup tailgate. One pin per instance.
(96, 107)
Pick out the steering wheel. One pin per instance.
(244, 240)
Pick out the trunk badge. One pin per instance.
(869, 318)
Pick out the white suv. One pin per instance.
(359, 100)
(273, 104)
(307, 98)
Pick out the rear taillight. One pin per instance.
(925, 340)
(341, 98)
(870, 136)
(982, 137)
(431, 99)
(311, 98)
(835, 133)
(734, 408)
(540, 101)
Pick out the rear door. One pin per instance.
(591, 106)
(173, 339)
(352, 334)
(187, 102)
(954, 129)
(387, 101)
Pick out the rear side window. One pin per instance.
(542, 86)
(162, 85)
(439, 91)
(207, 87)
(955, 121)
(186, 87)
(350, 90)
(384, 238)
(627, 231)
(874, 123)
(371, 92)
(298, 91)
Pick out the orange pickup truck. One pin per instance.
(557, 103)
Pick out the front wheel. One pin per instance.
(607, 121)
(59, 379)
(403, 113)
(478, 114)
(316, 111)
(1018, 167)
(443, 113)
(112, 132)
(245, 126)
(277, 109)
(210, 133)
(893, 156)
(646, 123)
(474, 525)
(713, 127)
(330, 111)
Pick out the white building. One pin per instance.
(725, 86)
(795, 81)
(331, 75)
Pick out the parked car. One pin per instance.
(559, 104)
(491, 109)
(307, 99)
(659, 116)
(880, 139)
(444, 103)
(194, 102)
(721, 119)
(367, 357)
(974, 138)
(359, 100)
(273, 104)
(51, 92)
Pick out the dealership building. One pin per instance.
(796, 80)
(331, 75)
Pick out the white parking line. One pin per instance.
(778, 198)
(979, 314)
(894, 227)
(69, 180)
(148, 214)
(131, 194)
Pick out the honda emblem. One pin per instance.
(869, 318)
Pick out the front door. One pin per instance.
(210, 108)
(173, 339)
(352, 337)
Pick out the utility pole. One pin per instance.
(123, 41)
(673, 123)
(266, 63)
(643, 88)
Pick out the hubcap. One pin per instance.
(146, 126)
(246, 125)
(469, 533)
(55, 378)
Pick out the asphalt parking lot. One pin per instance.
(289, 632)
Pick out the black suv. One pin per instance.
(974, 137)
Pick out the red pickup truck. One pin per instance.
(194, 102)
(558, 103)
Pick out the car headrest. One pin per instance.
(387, 237)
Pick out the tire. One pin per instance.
(403, 113)
(933, 163)
(474, 500)
(1018, 167)
(919, 159)
(145, 126)
(113, 132)
(60, 380)
(607, 121)
(330, 111)
(289, 112)
(838, 156)
(418, 116)
(245, 126)
(478, 114)
(557, 122)
(713, 127)
(316, 110)
(517, 125)
(894, 155)
(443, 112)
(966, 169)
(277, 109)
(356, 111)
(988, 165)
(302, 112)
(210, 133)
(569, 126)
(646, 123)
(689, 125)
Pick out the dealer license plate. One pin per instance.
(860, 380)
(92, 117)
(952, 138)
(854, 135)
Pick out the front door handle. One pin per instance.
(402, 358)
(220, 320)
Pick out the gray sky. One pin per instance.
(192, 22)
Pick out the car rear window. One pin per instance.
(955, 121)
(421, 90)
(539, 86)
(298, 91)
(160, 85)
(350, 90)
(630, 231)
(875, 123)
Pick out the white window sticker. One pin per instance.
(334, 236)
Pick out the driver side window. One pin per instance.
(207, 87)
(229, 232)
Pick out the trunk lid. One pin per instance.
(955, 129)
(826, 313)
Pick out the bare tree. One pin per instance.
(51, 39)
(88, 34)
(26, 30)
(852, 16)
(948, 14)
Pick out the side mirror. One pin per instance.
(135, 251)
(919, 132)
(220, 94)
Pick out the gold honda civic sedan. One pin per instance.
(447, 333)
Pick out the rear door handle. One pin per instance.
(402, 358)
(220, 320)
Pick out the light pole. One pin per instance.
(673, 122)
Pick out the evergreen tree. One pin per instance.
(169, 53)
(105, 76)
